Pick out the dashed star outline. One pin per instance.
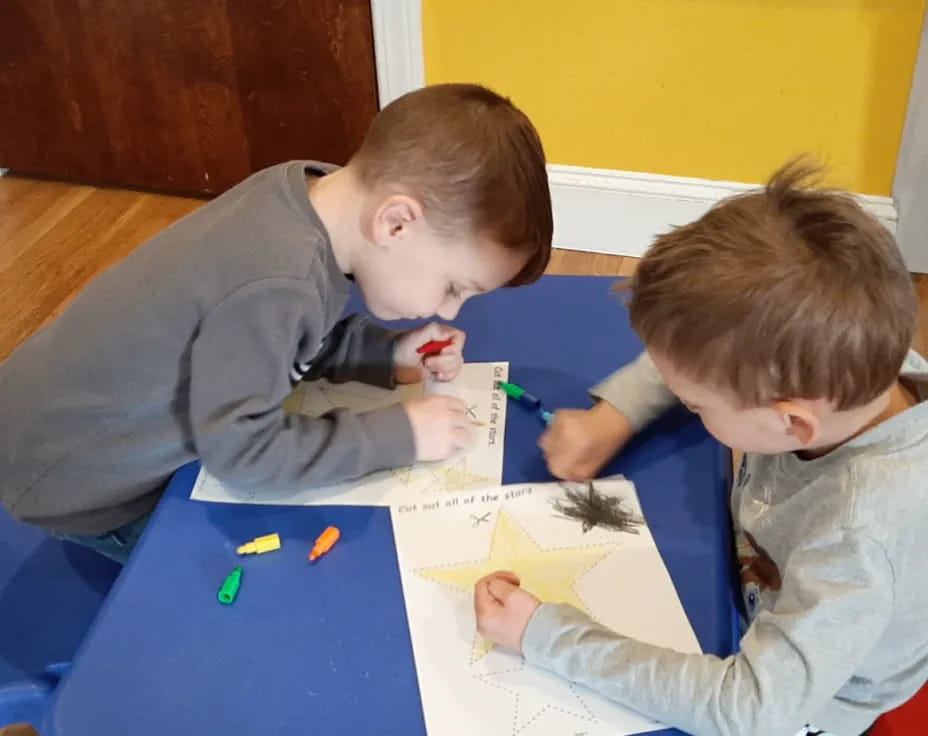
(583, 713)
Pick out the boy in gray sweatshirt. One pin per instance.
(186, 348)
(783, 318)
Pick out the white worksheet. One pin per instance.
(446, 543)
(481, 466)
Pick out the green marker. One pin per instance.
(514, 391)
(230, 586)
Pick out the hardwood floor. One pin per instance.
(55, 237)
(594, 264)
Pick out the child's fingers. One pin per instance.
(484, 603)
(452, 403)
(507, 575)
(483, 586)
(501, 589)
(444, 375)
(462, 431)
(463, 437)
(556, 431)
(443, 363)
(454, 350)
(485, 579)
(433, 331)
(459, 337)
(560, 466)
(418, 338)
(567, 471)
(446, 351)
(546, 441)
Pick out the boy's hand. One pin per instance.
(579, 443)
(440, 426)
(411, 366)
(503, 609)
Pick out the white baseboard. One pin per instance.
(397, 26)
(620, 212)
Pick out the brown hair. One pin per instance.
(785, 292)
(473, 160)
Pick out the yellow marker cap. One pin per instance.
(260, 545)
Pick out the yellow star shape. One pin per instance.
(549, 574)
(429, 478)
(455, 478)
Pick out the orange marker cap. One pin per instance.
(325, 542)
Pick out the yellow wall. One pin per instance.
(720, 89)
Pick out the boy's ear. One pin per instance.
(799, 421)
(393, 217)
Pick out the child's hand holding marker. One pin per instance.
(579, 443)
(440, 426)
(529, 401)
(431, 351)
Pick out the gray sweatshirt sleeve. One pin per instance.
(834, 606)
(637, 391)
(357, 349)
(239, 375)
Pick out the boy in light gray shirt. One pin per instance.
(186, 349)
(783, 318)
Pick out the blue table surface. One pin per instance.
(326, 648)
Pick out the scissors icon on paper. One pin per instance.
(478, 520)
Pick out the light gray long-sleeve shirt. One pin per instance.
(833, 566)
(185, 350)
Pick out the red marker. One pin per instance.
(434, 347)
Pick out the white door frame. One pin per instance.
(397, 47)
(910, 187)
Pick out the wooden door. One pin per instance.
(181, 95)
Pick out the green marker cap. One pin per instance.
(511, 390)
(230, 586)
(515, 391)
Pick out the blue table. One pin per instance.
(326, 649)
